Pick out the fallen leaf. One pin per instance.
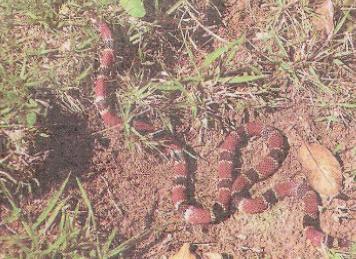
(324, 16)
(241, 5)
(324, 171)
(213, 256)
(134, 8)
(184, 253)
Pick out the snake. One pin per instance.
(232, 191)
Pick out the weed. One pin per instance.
(335, 254)
(58, 230)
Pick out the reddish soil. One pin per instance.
(138, 196)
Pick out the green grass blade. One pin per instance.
(31, 234)
(175, 7)
(213, 56)
(87, 202)
(16, 211)
(241, 79)
(53, 216)
(342, 21)
(91, 216)
(83, 75)
(51, 204)
(108, 242)
(55, 246)
(216, 54)
(170, 86)
(120, 249)
(348, 105)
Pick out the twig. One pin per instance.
(211, 33)
(117, 207)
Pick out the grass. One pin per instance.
(335, 254)
(317, 74)
(59, 230)
(173, 68)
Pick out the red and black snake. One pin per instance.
(232, 191)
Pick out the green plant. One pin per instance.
(58, 231)
(134, 8)
(336, 254)
(182, 94)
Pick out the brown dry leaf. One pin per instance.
(243, 4)
(324, 171)
(323, 20)
(184, 253)
(213, 256)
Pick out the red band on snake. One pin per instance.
(232, 193)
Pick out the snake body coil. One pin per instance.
(232, 193)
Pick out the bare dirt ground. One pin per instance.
(133, 193)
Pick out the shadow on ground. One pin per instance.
(69, 145)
